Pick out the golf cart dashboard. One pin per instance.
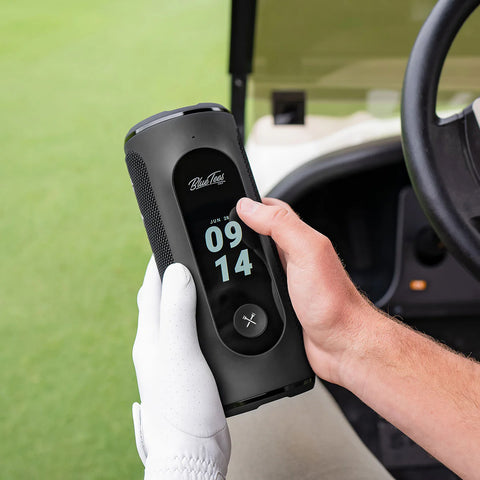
(361, 198)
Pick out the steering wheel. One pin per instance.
(443, 155)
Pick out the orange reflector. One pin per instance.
(418, 285)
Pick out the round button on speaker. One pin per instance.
(250, 320)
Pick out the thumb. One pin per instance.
(192, 403)
(277, 219)
(178, 327)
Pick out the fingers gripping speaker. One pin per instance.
(149, 210)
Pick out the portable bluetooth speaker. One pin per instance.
(188, 169)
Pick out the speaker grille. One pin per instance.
(148, 207)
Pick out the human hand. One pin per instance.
(325, 300)
(413, 382)
(180, 427)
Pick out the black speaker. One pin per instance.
(188, 169)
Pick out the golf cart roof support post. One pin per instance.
(241, 53)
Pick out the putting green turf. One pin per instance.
(75, 76)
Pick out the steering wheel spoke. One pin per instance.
(456, 157)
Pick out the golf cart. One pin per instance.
(391, 178)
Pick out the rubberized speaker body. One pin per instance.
(188, 169)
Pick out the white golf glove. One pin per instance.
(180, 427)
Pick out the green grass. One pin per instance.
(74, 78)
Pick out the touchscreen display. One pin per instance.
(208, 185)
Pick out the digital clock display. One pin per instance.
(208, 185)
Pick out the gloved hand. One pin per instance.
(180, 427)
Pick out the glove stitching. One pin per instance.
(194, 460)
(225, 426)
(183, 471)
(200, 466)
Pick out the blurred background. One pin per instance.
(75, 76)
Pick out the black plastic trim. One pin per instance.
(242, 35)
(255, 402)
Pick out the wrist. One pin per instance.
(371, 341)
(346, 348)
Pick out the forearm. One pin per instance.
(427, 391)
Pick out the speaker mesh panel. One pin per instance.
(148, 207)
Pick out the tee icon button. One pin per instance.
(250, 320)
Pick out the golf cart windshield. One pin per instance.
(347, 57)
